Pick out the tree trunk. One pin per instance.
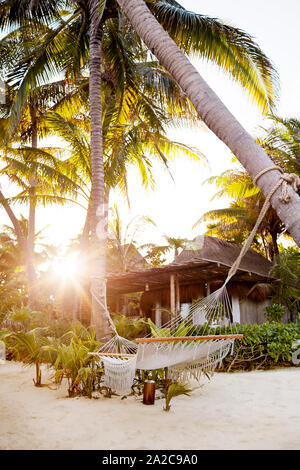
(16, 224)
(275, 248)
(30, 269)
(97, 220)
(212, 111)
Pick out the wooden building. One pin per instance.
(193, 275)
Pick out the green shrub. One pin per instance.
(129, 328)
(71, 361)
(274, 312)
(29, 347)
(74, 364)
(263, 346)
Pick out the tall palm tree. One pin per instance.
(210, 108)
(228, 47)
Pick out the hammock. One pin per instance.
(185, 345)
(189, 347)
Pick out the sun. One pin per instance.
(66, 267)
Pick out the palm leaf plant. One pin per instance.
(73, 363)
(235, 222)
(29, 347)
(174, 390)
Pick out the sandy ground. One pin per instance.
(254, 410)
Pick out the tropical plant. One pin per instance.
(286, 290)
(29, 347)
(155, 252)
(235, 223)
(174, 390)
(263, 346)
(129, 328)
(73, 363)
(275, 312)
(122, 245)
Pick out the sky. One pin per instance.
(176, 205)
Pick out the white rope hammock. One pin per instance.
(178, 345)
(188, 346)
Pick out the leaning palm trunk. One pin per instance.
(212, 111)
(98, 239)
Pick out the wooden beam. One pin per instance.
(186, 338)
(110, 354)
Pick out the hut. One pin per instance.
(195, 274)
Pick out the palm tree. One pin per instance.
(210, 108)
(16, 49)
(282, 143)
(229, 47)
(123, 253)
(155, 252)
(235, 223)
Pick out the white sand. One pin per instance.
(254, 410)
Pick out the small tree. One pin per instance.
(30, 348)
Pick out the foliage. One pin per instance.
(129, 328)
(267, 345)
(74, 364)
(181, 330)
(158, 375)
(24, 319)
(71, 360)
(275, 312)
(263, 346)
(287, 270)
(174, 390)
(29, 347)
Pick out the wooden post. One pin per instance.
(207, 289)
(157, 314)
(172, 298)
(177, 295)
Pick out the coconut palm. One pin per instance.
(173, 244)
(229, 47)
(123, 253)
(213, 112)
(282, 143)
(234, 223)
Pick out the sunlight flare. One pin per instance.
(66, 267)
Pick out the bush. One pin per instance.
(263, 346)
(275, 312)
(72, 362)
(129, 328)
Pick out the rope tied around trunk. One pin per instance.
(286, 180)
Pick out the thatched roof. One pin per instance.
(209, 260)
(225, 253)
